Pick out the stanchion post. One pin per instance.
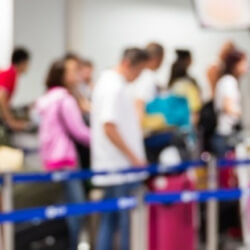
(139, 228)
(8, 228)
(1, 238)
(212, 208)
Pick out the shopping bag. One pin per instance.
(11, 160)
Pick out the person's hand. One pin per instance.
(85, 105)
(137, 162)
(19, 125)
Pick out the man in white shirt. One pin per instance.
(117, 141)
(145, 88)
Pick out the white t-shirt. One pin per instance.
(145, 87)
(112, 103)
(227, 87)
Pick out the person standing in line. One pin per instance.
(228, 101)
(73, 61)
(61, 125)
(145, 88)
(181, 83)
(86, 71)
(85, 87)
(117, 142)
(8, 84)
(82, 90)
(208, 116)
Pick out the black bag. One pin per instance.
(45, 235)
(156, 143)
(207, 125)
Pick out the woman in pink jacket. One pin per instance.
(61, 124)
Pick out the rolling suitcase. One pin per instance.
(243, 173)
(172, 226)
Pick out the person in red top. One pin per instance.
(8, 83)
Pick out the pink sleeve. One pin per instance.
(74, 123)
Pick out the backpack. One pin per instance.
(207, 125)
(173, 108)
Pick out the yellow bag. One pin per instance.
(187, 89)
(201, 178)
(154, 122)
(11, 160)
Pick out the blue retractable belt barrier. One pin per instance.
(224, 163)
(152, 170)
(60, 211)
(189, 196)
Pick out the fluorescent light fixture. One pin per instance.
(223, 14)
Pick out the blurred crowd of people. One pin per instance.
(116, 116)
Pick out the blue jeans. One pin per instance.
(220, 145)
(74, 194)
(113, 222)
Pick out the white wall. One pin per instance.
(6, 31)
(39, 26)
(108, 26)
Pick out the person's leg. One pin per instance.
(108, 225)
(124, 221)
(74, 194)
(219, 145)
(124, 217)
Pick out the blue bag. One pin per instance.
(175, 110)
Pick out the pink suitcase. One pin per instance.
(227, 176)
(172, 226)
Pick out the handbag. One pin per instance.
(11, 160)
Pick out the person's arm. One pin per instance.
(140, 108)
(228, 107)
(115, 137)
(145, 92)
(229, 87)
(7, 115)
(213, 76)
(84, 105)
(73, 121)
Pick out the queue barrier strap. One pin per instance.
(196, 196)
(151, 170)
(53, 212)
(61, 211)
(123, 203)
